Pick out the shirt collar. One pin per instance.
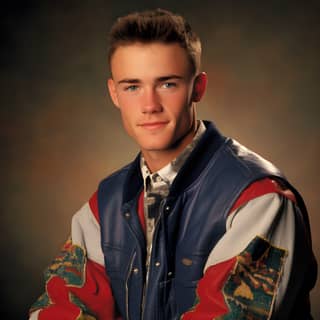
(170, 171)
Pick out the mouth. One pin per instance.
(153, 125)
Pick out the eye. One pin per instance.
(132, 87)
(168, 85)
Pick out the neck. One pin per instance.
(158, 159)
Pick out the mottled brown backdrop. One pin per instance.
(60, 134)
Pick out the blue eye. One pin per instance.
(131, 88)
(168, 85)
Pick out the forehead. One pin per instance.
(147, 60)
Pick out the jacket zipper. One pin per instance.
(127, 289)
(145, 287)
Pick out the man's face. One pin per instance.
(152, 85)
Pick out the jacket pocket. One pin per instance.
(189, 270)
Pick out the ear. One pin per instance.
(199, 86)
(113, 92)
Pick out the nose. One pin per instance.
(151, 101)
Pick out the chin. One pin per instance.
(153, 148)
(154, 144)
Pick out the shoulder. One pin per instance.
(89, 212)
(260, 188)
(250, 163)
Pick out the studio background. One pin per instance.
(60, 134)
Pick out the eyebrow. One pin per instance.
(169, 77)
(129, 81)
(160, 79)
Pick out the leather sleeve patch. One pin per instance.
(66, 270)
(69, 265)
(76, 288)
(243, 287)
(251, 287)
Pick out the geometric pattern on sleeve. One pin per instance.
(66, 270)
(69, 265)
(251, 287)
(243, 287)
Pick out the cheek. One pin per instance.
(180, 106)
(129, 105)
(126, 106)
(124, 101)
(128, 116)
(127, 123)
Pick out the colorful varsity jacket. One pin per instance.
(232, 242)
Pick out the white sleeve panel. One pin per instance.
(85, 232)
(270, 216)
(34, 315)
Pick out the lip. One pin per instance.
(153, 125)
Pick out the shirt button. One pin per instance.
(157, 264)
(167, 208)
(135, 270)
(169, 273)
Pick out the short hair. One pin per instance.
(155, 26)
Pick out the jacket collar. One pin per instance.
(208, 144)
(167, 174)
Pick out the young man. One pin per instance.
(197, 226)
